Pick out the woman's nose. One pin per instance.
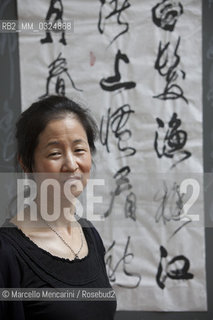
(69, 163)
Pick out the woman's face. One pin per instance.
(63, 150)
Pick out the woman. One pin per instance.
(55, 139)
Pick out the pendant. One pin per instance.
(76, 257)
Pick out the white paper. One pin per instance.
(154, 172)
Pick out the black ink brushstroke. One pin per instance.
(104, 134)
(113, 83)
(122, 184)
(130, 206)
(57, 69)
(171, 206)
(116, 121)
(179, 228)
(174, 274)
(58, 12)
(173, 142)
(166, 13)
(115, 11)
(123, 260)
(168, 70)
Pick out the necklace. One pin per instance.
(73, 252)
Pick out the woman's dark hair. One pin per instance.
(34, 120)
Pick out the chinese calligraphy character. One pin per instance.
(114, 10)
(113, 83)
(167, 68)
(173, 141)
(116, 121)
(123, 184)
(58, 73)
(55, 8)
(171, 206)
(166, 13)
(133, 277)
(172, 269)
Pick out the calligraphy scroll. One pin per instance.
(137, 66)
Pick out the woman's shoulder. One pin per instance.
(9, 239)
(10, 277)
(9, 266)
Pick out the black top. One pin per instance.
(24, 265)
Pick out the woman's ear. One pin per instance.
(22, 165)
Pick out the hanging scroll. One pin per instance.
(138, 66)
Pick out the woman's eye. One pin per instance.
(54, 154)
(79, 150)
